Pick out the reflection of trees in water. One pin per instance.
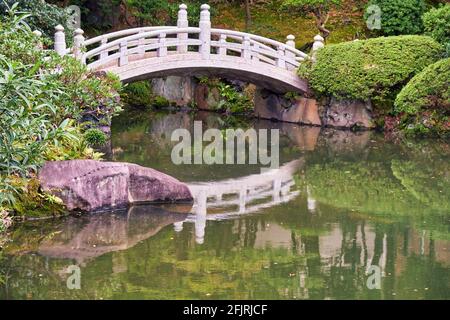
(373, 206)
(276, 255)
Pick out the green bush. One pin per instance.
(400, 16)
(370, 69)
(436, 24)
(95, 137)
(43, 16)
(138, 94)
(44, 98)
(426, 100)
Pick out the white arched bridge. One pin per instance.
(149, 52)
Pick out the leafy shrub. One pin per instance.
(426, 100)
(400, 16)
(436, 24)
(43, 99)
(138, 93)
(232, 100)
(95, 137)
(43, 16)
(370, 69)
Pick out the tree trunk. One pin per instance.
(321, 21)
(248, 15)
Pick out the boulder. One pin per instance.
(178, 90)
(89, 185)
(348, 114)
(269, 105)
(206, 98)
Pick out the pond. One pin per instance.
(345, 203)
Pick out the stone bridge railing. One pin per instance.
(119, 48)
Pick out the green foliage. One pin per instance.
(160, 102)
(95, 137)
(436, 24)
(43, 16)
(31, 201)
(153, 12)
(232, 100)
(138, 93)
(400, 16)
(370, 69)
(426, 100)
(43, 98)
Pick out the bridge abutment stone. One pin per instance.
(176, 89)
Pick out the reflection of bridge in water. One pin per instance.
(227, 199)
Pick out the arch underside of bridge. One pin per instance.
(142, 67)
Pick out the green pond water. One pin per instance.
(343, 202)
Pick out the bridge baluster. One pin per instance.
(182, 22)
(38, 34)
(162, 49)
(104, 54)
(290, 42)
(78, 43)
(281, 61)
(123, 59)
(255, 52)
(223, 43)
(60, 40)
(318, 44)
(205, 31)
(141, 44)
(246, 51)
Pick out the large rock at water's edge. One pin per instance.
(89, 185)
(269, 105)
(348, 114)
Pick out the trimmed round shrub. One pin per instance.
(426, 100)
(400, 16)
(95, 137)
(428, 89)
(436, 24)
(370, 69)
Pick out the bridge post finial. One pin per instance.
(38, 35)
(319, 42)
(182, 22)
(205, 31)
(290, 43)
(60, 40)
(78, 43)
